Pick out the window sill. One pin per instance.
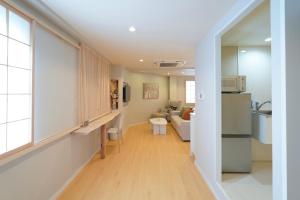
(13, 155)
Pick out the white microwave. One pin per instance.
(234, 84)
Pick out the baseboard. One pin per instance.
(222, 192)
(206, 179)
(64, 186)
(192, 157)
(219, 192)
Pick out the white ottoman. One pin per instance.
(159, 125)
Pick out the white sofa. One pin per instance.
(181, 126)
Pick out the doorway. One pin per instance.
(246, 119)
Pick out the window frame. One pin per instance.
(31, 64)
(186, 91)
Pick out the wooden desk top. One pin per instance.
(97, 123)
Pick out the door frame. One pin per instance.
(279, 144)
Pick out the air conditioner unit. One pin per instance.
(169, 64)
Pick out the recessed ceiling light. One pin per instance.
(132, 29)
(141, 60)
(268, 39)
(243, 51)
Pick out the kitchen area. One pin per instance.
(247, 107)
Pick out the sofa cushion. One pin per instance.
(176, 119)
(187, 114)
(181, 126)
(183, 109)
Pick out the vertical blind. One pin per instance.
(94, 88)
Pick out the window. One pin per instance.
(15, 81)
(190, 91)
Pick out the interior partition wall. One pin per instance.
(279, 149)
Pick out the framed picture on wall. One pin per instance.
(150, 90)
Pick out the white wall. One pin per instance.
(177, 87)
(139, 109)
(279, 101)
(255, 64)
(208, 92)
(292, 14)
(229, 60)
(208, 120)
(205, 145)
(173, 88)
(43, 172)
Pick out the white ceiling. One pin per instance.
(252, 30)
(165, 29)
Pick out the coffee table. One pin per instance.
(159, 126)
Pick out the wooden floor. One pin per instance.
(149, 167)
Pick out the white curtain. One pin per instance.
(104, 74)
(94, 85)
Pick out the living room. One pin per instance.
(61, 101)
(175, 92)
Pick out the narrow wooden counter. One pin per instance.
(101, 125)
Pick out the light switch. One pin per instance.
(201, 96)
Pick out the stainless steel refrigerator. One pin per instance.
(236, 132)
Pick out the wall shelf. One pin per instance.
(97, 123)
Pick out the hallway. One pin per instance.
(148, 167)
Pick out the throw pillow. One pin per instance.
(183, 109)
(187, 114)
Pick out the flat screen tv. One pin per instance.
(126, 92)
